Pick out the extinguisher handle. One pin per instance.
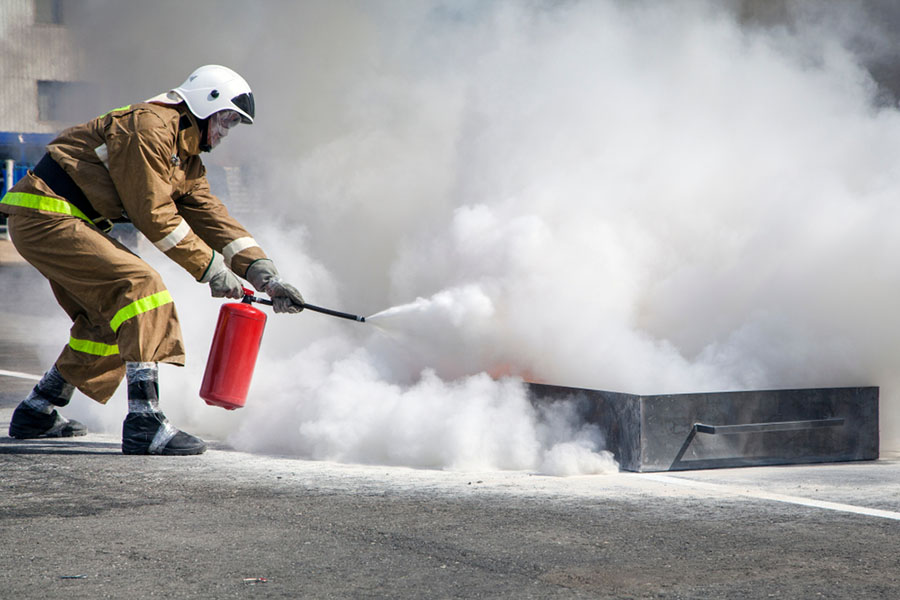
(249, 297)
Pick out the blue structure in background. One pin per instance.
(18, 153)
(24, 150)
(23, 147)
(18, 172)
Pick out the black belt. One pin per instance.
(63, 185)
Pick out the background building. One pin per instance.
(39, 83)
(43, 90)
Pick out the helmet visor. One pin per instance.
(220, 123)
(229, 118)
(245, 103)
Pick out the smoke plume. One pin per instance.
(647, 197)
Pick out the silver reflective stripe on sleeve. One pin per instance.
(174, 236)
(103, 154)
(237, 246)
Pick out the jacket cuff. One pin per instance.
(216, 265)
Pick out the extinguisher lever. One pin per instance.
(249, 298)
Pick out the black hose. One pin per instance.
(248, 298)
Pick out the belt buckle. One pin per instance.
(104, 224)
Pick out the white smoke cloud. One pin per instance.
(636, 196)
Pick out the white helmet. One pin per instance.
(213, 88)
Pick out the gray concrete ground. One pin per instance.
(80, 520)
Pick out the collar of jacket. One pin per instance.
(188, 136)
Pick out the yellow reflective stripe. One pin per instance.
(140, 306)
(126, 107)
(54, 205)
(95, 348)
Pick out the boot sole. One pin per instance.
(167, 452)
(62, 434)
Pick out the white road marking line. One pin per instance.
(20, 375)
(728, 489)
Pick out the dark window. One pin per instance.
(48, 12)
(62, 100)
(49, 100)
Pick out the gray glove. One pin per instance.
(222, 282)
(226, 284)
(264, 277)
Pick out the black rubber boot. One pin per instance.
(28, 423)
(151, 433)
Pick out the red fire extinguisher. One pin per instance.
(232, 356)
(235, 345)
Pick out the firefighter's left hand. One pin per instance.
(285, 297)
(264, 277)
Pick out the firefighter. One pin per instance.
(139, 163)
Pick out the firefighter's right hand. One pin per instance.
(226, 284)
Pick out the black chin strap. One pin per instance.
(203, 125)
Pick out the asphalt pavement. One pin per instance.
(80, 520)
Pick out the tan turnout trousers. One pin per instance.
(119, 305)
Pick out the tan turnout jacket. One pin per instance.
(137, 161)
(140, 161)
